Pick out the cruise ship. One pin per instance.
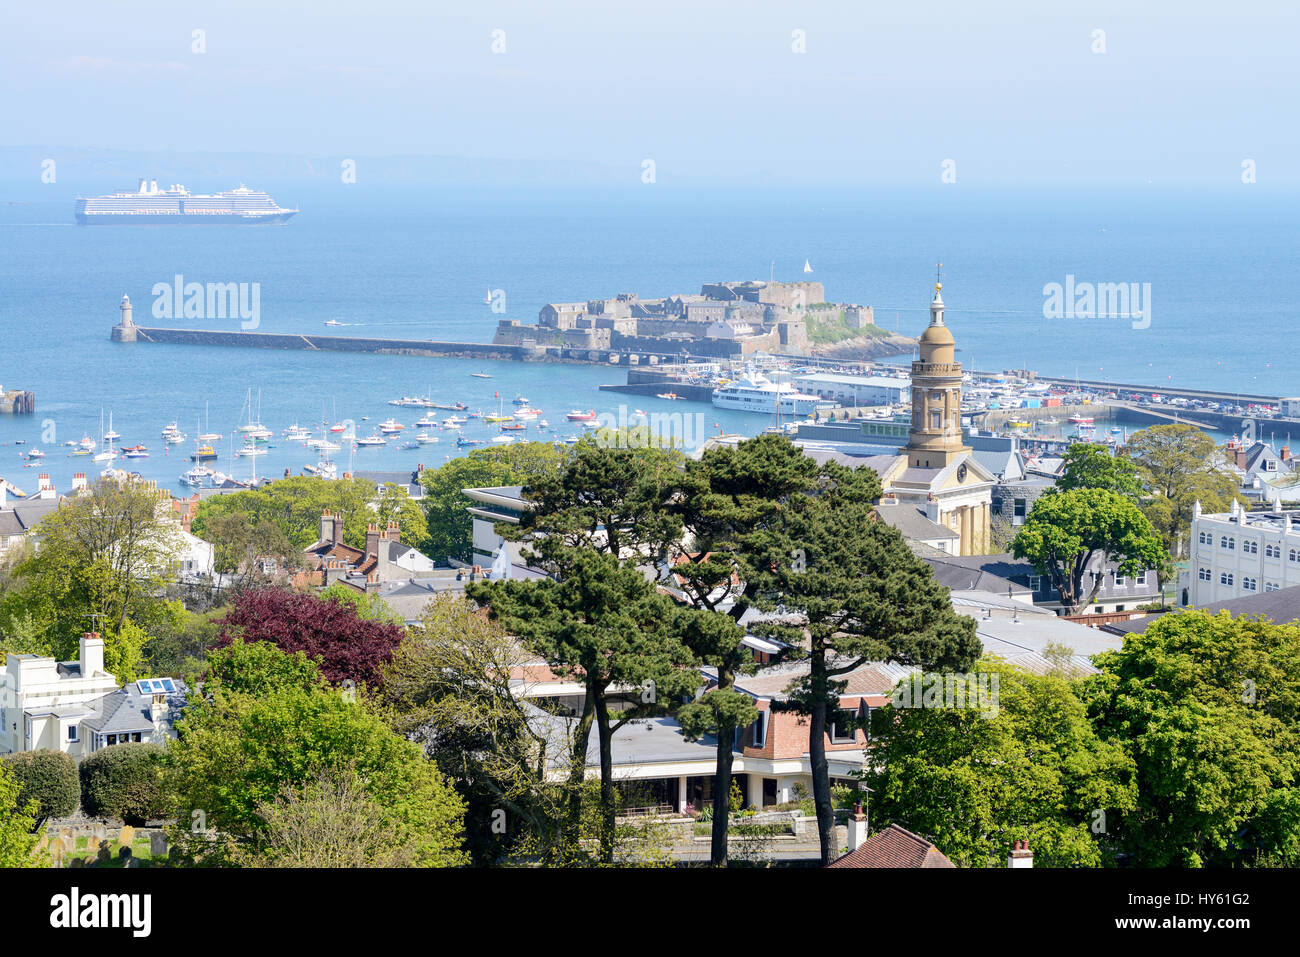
(176, 204)
(754, 392)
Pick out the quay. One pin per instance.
(17, 402)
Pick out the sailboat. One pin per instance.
(500, 416)
(209, 436)
(106, 453)
(110, 435)
(807, 266)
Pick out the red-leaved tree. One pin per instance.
(325, 629)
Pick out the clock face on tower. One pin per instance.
(961, 472)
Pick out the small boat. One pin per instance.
(407, 446)
(36, 454)
(169, 429)
(528, 412)
(451, 423)
(134, 448)
(543, 424)
(503, 439)
(334, 322)
(667, 395)
(577, 416)
(480, 375)
(80, 451)
(108, 455)
(461, 441)
(1018, 424)
(391, 427)
(372, 439)
(322, 469)
(86, 442)
(294, 433)
(139, 452)
(1081, 420)
(197, 476)
(250, 450)
(516, 427)
(174, 438)
(519, 400)
(204, 453)
(338, 427)
(324, 445)
(424, 438)
(407, 400)
(426, 422)
(498, 418)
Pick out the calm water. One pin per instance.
(418, 264)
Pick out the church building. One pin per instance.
(937, 472)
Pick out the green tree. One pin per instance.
(857, 593)
(449, 688)
(267, 723)
(19, 832)
(1208, 708)
(727, 497)
(102, 563)
(449, 525)
(47, 777)
(605, 625)
(1066, 531)
(125, 781)
(1019, 762)
(1091, 465)
(1178, 465)
(370, 606)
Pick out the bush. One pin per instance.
(124, 781)
(47, 777)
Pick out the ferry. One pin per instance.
(578, 416)
(754, 392)
(177, 205)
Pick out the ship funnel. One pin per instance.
(140, 188)
(153, 186)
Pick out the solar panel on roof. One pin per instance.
(168, 685)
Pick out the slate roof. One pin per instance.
(1281, 606)
(129, 710)
(894, 847)
(911, 520)
(964, 576)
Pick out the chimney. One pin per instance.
(1285, 453)
(857, 828)
(1021, 855)
(45, 484)
(79, 482)
(372, 540)
(92, 654)
(326, 527)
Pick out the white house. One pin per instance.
(1239, 553)
(78, 707)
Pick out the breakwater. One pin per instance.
(314, 343)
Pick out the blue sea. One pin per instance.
(417, 262)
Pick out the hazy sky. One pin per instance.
(1011, 92)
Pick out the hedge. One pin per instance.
(49, 777)
(124, 781)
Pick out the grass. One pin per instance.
(831, 331)
(140, 851)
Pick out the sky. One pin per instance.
(998, 94)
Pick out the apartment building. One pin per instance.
(1239, 553)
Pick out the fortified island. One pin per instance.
(725, 320)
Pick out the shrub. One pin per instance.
(47, 777)
(124, 781)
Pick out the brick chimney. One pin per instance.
(45, 484)
(326, 526)
(91, 655)
(79, 482)
(372, 540)
(1285, 453)
(857, 828)
(1021, 855)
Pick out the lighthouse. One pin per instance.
(124, 331)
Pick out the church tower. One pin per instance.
(935, 438)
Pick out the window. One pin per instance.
(1141, 578)
(1035, 583)
(1294, 555)
(1229, 543)
(1271, 586)
(72, 733)
(1250, 547)
(1225, 578)
(1205, 575)
(1019, 508)
(1248, 584)
(842, 731)
(1120, 579)
(1205, 538)
(759, 730)
(1272, 551)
